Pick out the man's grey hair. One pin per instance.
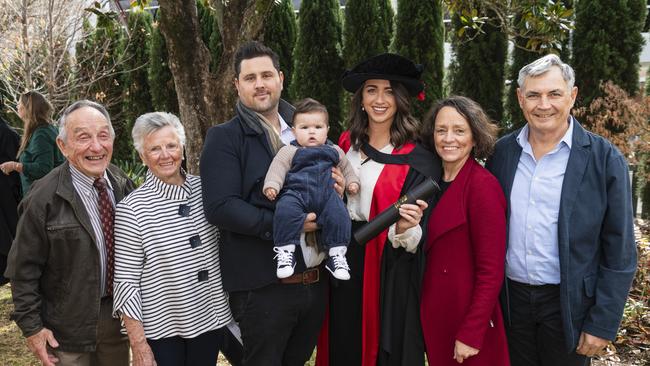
(78, 105)
(152, 122)
(543, 65)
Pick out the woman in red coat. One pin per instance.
(465, 245)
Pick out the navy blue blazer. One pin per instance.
(233, 166)
(595, 232)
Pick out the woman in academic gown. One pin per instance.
(374, 317)
(465, 244)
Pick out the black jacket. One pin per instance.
(9, 188)
(54, 263)
(233, 166)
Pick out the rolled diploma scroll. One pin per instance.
(390, 215)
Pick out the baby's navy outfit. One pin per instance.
(309, 187)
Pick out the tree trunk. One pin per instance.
(205, 99)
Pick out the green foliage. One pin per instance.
(98, 57)
(479, 65)
(210, 33)
(136, 95)
(387, 27)
(161, 81)
(317, 56)
(280, 33)
(364, 31)
(419, 37)
(520, 58)
(607, 43)
(134, 169)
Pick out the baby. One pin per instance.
(304, 170)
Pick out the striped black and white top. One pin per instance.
(167, 261)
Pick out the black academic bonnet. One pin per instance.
(387, 66)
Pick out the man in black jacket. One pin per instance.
(9, 192)
(279, 318)
(60, 262)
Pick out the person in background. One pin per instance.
(9, 192)
(571, 253)
(61, 262)
(38, 153)
(466, 242)
(374, 316)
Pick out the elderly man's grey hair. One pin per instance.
(152, 122)
(543, 65)
(63, 134)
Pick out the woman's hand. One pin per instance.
(140, 349)
(463, 351)
(410, 216)
(142, 354)
(10, 166)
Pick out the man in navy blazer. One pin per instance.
(571, 253)
(279, 319)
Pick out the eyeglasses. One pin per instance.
(157, 151)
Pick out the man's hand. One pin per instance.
(590, 346)
(463, 351)
(38, 342)
(339, 181)
(353, 188)
(310, 223)
(270, 193)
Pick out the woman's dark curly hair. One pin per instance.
(484, 131)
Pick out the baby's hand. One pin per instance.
(353, 188)
(270, 193)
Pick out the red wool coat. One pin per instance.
(465, 259)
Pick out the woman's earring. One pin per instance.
(363, 109)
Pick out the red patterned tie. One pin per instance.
(107, 217)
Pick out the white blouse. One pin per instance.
(368, 172)
(167, 271)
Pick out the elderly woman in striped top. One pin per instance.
(167, 285)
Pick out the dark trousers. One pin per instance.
(280, 322)
(346, 311)
(535, 335)
(331, 216)
(201, 350)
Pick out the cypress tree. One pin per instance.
(280, 34)
(607, 43)
(318, 62)
(364, 33)
(136, 95)
(210, 33)
(161, 81)
(520, 58)
(477, 71)
(387, 27)
(98, 60)
(419, 37)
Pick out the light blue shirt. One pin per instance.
(533, 253)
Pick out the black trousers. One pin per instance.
(280, 322)
(201, 350)
(346, 310)
(535, 334)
